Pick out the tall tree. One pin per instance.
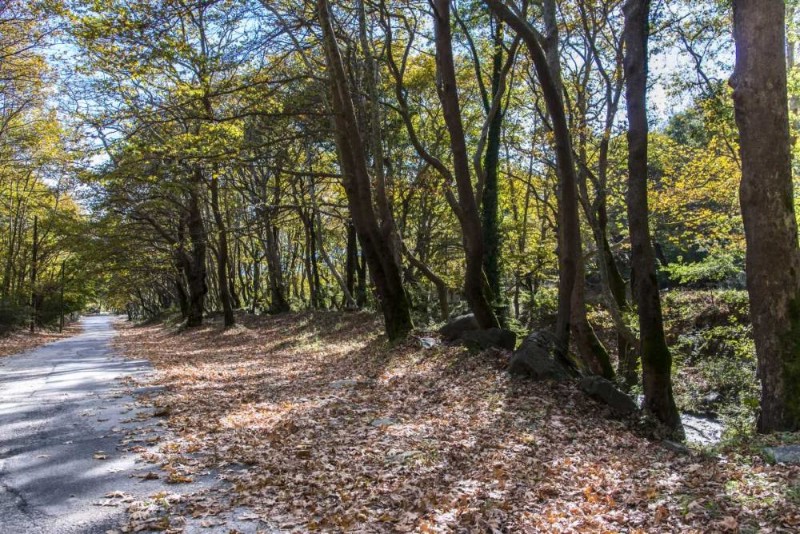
(571, 317)
(767, 200)
(352, 153)
(491, 159)
(656, 358)
(222, 255)
(476, 286)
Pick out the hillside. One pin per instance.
(331, 429)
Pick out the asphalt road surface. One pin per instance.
(60, 405)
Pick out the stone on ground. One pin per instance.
(490, 338)
(536, 358)
(456, 327)
(605, 391)
(784, 454)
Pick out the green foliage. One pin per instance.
(12, 316)
(720, 269)
(541, 307)
(714, 355)
(234, 91)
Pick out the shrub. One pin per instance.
(12, 316)
(722, 269)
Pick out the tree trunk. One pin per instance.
(489, 205)
(361, 287)
(475, 285)
(277, 289)
(351, 258)
(379, 255)
(256, 295)
(61, 297)
(195, 262)
(222, 257)
(766, 196)
(656, 358)
(14, 243)
(371, 79)
(180, 291)
(571, 300)
(349, 301)
(311, 259)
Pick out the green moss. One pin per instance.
(793, 494)
(601, 354)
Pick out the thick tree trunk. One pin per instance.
(656, 358)
(222, 257)
(379, 255)
(475, 285)
(373, 115)
(591, 350)
(195, 261)
(766, 195)
(180, 291)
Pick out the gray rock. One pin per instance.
(536, 358)
(784, 454)
(491, 337)
(454, 329)
(605, 391)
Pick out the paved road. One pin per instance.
(58, 406)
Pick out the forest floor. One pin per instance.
(23, 340)
(321, 425)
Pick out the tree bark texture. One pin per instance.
(767, 201)
(656, 358)
(379, 256)
(475, 284)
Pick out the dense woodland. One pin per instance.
(555, 166)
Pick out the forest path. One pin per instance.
(68, 417)
(58, 406)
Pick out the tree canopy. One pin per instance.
(531, 163)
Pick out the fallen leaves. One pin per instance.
(662, 513)
(317, 424)
(22, 340)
